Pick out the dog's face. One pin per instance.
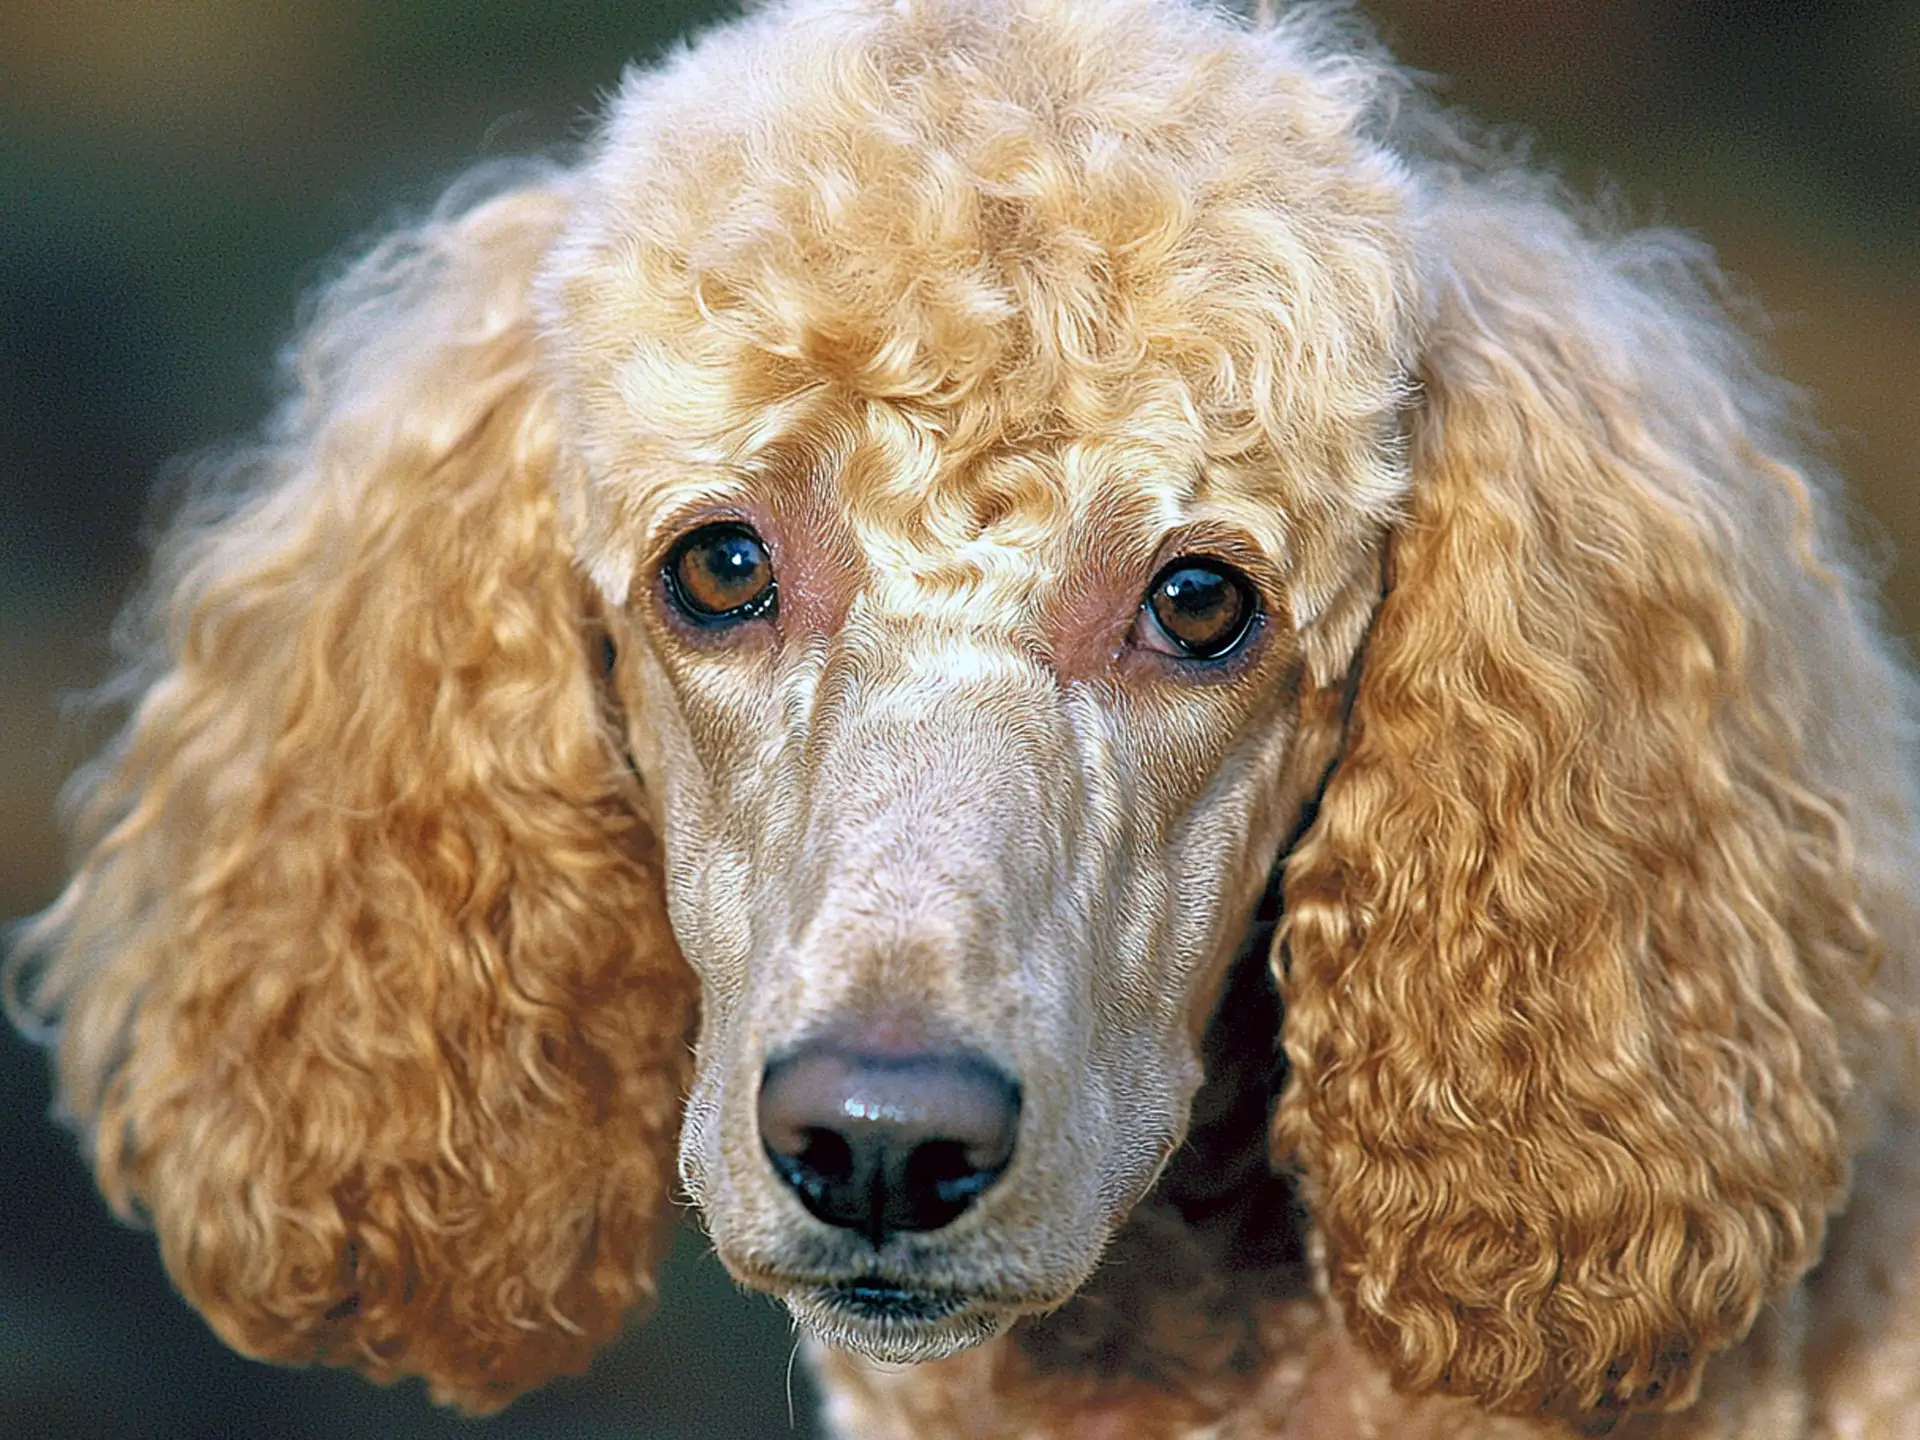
(970, 564)
(956, 785)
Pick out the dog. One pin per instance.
(1214, 768)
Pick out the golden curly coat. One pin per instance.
(1565, 729)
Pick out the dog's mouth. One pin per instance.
(878, 1300)
(885, 1317)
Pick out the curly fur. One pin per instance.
(1569, 745)
(368, 999)
(1616, 820)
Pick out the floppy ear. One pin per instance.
(1576, 953)
(365, 990)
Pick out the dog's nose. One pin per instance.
(885, 1143)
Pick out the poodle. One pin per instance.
(1215, 768)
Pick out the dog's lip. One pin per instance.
(894, 1324)
(873, 1292)
(876, 1297)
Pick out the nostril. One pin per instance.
(815, 1165)
(826, 1154)
(942, 1165)
(946, 1174)
(886, 1143)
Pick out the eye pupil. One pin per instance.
(720, 573)
(1203, 607)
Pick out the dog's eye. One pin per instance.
(1197, 609)
(720, 574)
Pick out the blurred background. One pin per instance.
(174, 173)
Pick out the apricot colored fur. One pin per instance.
(1567, 784)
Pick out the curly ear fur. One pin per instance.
(1578, 953)
(365, 990)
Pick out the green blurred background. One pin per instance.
(174, 173)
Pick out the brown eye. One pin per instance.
(720, 575)
(1199, 609)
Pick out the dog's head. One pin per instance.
(914, 508)
(983, 500)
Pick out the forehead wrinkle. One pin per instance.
(991, 531)
(928, 501)
(989, 589)
(915, 473)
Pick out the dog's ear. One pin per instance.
(1576, 953)
(364, 989)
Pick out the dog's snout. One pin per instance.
(886, 1143)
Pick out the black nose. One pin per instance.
(885, 1143)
